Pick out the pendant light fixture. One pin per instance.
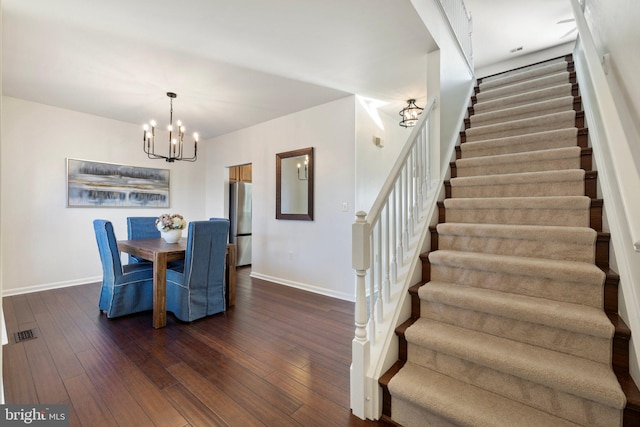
(176, 139)
(410, 114)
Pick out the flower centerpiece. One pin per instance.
(171, 226)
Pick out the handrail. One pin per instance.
(385, 250)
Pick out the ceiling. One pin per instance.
(236, 64)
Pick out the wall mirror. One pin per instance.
(294, 184)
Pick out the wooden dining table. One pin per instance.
(160, 253)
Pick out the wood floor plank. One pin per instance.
(224, 406)
(196, 412)
(114, 394)
(47, 380)
(17, 377)
(61, 352)
(87, 403)
(281, 357)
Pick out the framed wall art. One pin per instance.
(101, 185)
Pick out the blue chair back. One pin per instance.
(141, 227)
(124, 290)
(108, 249)
(198, 290)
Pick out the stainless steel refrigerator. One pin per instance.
(240, 220)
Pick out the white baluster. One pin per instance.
(392, 240)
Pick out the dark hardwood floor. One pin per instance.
(280, 357)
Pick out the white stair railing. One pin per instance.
(381, 249)
(462, 25)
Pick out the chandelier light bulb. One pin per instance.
(176, 140)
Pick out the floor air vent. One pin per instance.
(25, 335)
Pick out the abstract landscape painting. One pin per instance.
(96, 184)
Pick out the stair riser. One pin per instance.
(547, 249)
(410, 415)
(574, 343)
(553, 289)
(569, 406)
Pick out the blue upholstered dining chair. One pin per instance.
(141, 227)
(197, 290)
(125, 289)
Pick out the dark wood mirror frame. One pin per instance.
(304, 216)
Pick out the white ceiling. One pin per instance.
(237, 63)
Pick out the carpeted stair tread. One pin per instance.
(524, 111)
(570, 211)
(557, 314)
(573, 375)
(524, 86)
(511, 316)
(512, 101)
(542, 123)
(560, 138)
(526, 184)
(512, 329)
(531, 161)
(525, 74)
(561, 243)
(443, 394)
(567, 271)
(567, 281)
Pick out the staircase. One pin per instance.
(515, 319)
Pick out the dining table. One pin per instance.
(160, 253)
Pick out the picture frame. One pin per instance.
(101, 185)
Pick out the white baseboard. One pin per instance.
(304, 287)
(49, 286)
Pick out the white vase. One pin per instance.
(171, 236)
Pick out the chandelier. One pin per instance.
(410, 114)
(176, 139)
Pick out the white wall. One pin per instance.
(373, 163)
(524, 60)
(616, 32)
(312, 255)
(44, 243)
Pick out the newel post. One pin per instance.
(360, 351)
